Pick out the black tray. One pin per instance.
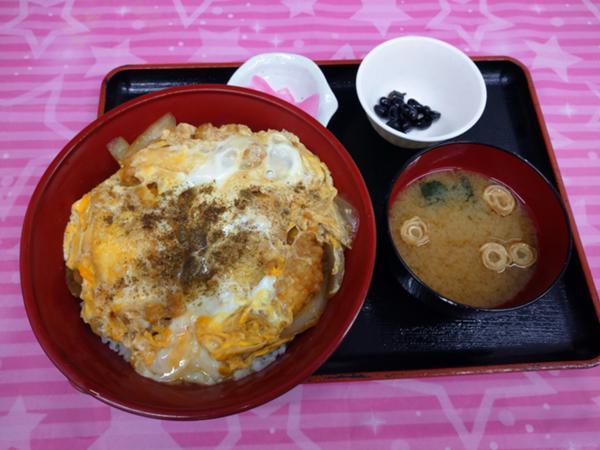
(394, 335)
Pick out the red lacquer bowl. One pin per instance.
(54, 314)
(534, 191)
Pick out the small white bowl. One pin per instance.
(432, 72)
(291, 77)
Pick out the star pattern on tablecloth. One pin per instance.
(127, 431)
(294, 416)
(234, 433)
(344, 52)
(590, 232)
(550, 55)
(21, 423)
(107, 58)
(399, 444)
(294, 425)
(53, 89)
(568, 110)
(471, 439)
(188, 19)
(225, 432)
(381, 14)
(559, 139)
(46, 3)
(298, 7)
(489, 22)
(22, 26)
(15, 186)
(537, 8)
(293, 401)
(12, 187)
(277, 404)
(373, 422)
(593, 8)
(227, 42)
(594, 121)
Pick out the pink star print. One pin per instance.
(108, 58)
(381, 14)
(26, 24)
(451, 17)
(127, 431)
(550, 55)
(595, 118)
(298, 7)
(533, 385)
(222, 46)
(17, 426)
(344, 52)
(188, 19)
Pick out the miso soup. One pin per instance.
(466, 236)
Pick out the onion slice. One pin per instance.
(118, 148)
(121, 150)
(349, 214)
(152, 133)
(334, 268)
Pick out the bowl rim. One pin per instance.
(446, 300)
(54, 353)
(424, 139)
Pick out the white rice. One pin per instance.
(260, 363)
(257, 365)
(117, 347)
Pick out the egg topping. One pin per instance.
(210, 248)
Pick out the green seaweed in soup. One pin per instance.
(464, 188)
(435, 191)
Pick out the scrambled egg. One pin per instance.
(208, 249)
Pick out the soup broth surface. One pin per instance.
(459, 222)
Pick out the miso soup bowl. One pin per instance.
(533, 190)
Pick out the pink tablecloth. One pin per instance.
(53, 54)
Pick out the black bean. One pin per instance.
(394, 123)
(381, 111)
(404, 111)
(385, 102)
(405, 116)
(412, 114)
(405, 127)
(395, 94)
(424, 123)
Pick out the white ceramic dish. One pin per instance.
(432, 72)
(291, 77)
